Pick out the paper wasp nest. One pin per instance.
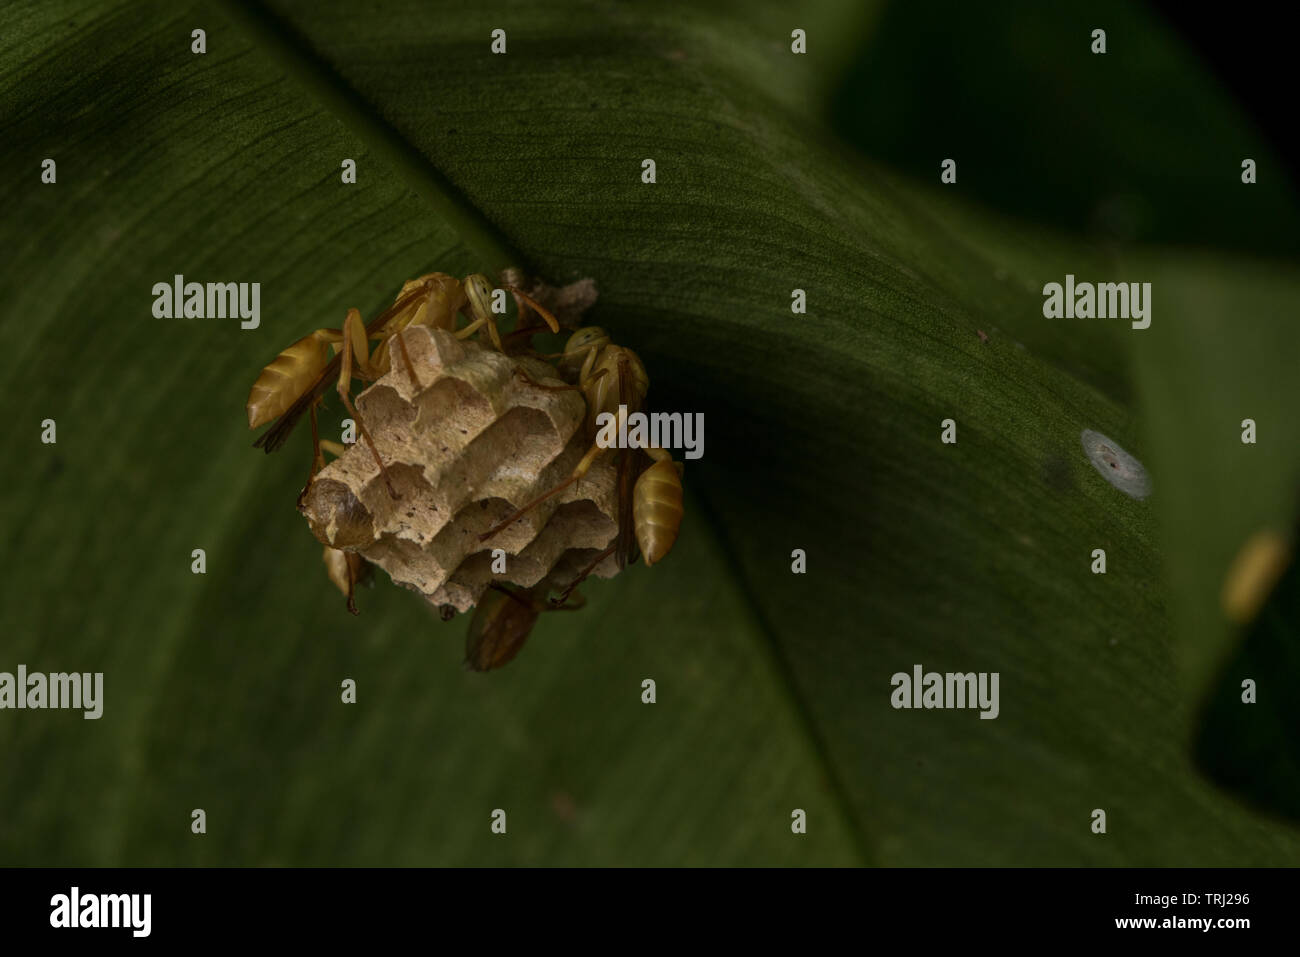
(474, 442)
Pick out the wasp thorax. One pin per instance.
(484, 434)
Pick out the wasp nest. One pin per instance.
(465, 447)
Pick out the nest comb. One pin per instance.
(464, 449)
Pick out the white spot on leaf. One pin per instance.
(1120, 469)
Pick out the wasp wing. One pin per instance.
(626, 472)
(501, 625)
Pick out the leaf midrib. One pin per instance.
(286, 47)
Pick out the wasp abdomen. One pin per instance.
(657, 510)
(285, 379)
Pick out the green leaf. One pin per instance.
(222, 690)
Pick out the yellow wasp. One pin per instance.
(650, 512)
(298, 377)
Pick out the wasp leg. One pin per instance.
(570, 602)
(410, 366)
(345, 569)
(536, 306)
(478, 324)
(558, 603)
(528, 321)
(557, 388)
(579, 471)
(319, 445)
(356, 348)
(513, 339)
(549, 388)
(352, 588)
(317, 459)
